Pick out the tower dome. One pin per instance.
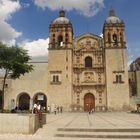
(112, 18)
(61, 19)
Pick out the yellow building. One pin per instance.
(81, 73)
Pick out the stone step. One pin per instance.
(98, 136)
(122, 133)
(99, 130)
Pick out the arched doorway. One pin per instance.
(41, 99)
(24, 101)
(89, 102)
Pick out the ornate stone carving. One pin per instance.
(88, 76)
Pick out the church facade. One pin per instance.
(82, 73)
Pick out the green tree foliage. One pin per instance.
(14, 63)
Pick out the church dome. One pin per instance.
(112, 18)
(135, 65)
(61, 19)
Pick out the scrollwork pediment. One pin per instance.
(87, 44)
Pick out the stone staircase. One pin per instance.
(119, 133)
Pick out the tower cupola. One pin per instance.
(61, 32)
(113, 18)
(114, 31)
(61, 19)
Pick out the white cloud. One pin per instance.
(84, 7)
(37, 49)
(7, 33)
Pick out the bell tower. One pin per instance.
(116, 62)
(61, 32)
(114, 31)
(60, 62)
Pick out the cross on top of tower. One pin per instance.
(112, 12)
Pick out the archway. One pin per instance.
(89, 102)
(41, 99)
(0, 99)
(24, 101)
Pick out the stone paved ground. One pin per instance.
(107, 120)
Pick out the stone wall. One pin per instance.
(20, 123)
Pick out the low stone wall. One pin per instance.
(20, 123)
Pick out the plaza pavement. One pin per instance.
(82, 126)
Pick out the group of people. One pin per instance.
(58, 109)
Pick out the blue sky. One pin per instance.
(26, 22)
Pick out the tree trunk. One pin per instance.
(3, 88)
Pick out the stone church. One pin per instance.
(82, 73)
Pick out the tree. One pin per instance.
(14, 63)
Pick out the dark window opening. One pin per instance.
(55, 78)
(109, 38)
(88, 62)
(66, 40)
(118, 78)
(60, 41)
(115, 39)
(121, 38)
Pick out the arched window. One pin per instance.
(109, 38)
(60, 41)
(115, 39)
(88, 62)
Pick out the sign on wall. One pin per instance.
(40, 97)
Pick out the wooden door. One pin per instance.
(89, 102)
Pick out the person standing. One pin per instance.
(35, 108)
(55, 109)
(49, 109)
(39, 113)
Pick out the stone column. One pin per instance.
(31, 104)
